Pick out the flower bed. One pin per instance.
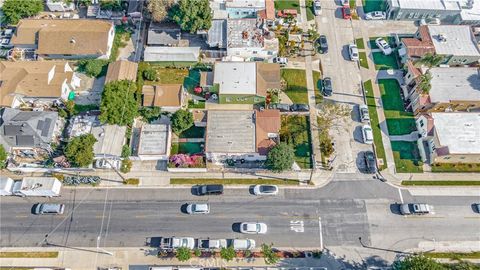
(186, 161)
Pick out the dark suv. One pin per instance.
(370, 161)
(322, 44)
(202, 190)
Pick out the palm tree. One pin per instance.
(430, 60)
(424, 82)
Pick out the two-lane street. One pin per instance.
(296, 218)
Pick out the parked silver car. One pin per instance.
(198, 208)
(253, 228)
(353, 52)
(49, 209)
(414, 209)
(363, 111)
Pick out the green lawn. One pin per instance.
(295, 131)
(287, 4)
(374, 5)
(385, 61)
(186, 148)
(440, 183)
(318, 84)
(232, 181)
(360, 43)
(193, 132)
(407, 158)
(40, 254)
(377, 133)
(296, 85)
(310, 11)
(200, 104)
(455, 167)
(363, 59)
(171, 75)
(399, 121)
(454, 255)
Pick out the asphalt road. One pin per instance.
(297, 218)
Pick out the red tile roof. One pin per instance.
(266, 122)
(419, 47)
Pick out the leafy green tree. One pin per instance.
(183, 254)
(3, 157)
(150, 74)
(126, 152)
(111, 5)
(227, 253)
(269, 254)
(92, 67)
(14, 10)
(181, 121)
(280, 157)
(79, 150)
(424, 82)
(150, 114)
(192, 15)
(118, 104)
(418, 263)
(430, 60)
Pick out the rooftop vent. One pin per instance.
(442, 38)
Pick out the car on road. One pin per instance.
(353, 52)
(243, 244)
(107, 164)
(414, 209)
(299, 108)
(383, 46)
(327, 89)
(376, 15)
(178, 242)
(198, 208)
(370, 161)
(346, 12)
(270, 190)
(363, 111)
(282, 61)
(280, 106)
(317, 8)
(49, 209)
(253, 228)
(430, 21)
(322, 44)
(367, 134)
(202, 190)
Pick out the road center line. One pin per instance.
(320, 232)
(400, 193)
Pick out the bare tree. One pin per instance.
(159, 9)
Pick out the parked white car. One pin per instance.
(363, 111)
(367, 134)
(243, 244)
(198, 208)
(253, 228)
(265, 190)
(376, 15)
(317, 8)
(383, 46)
(431, 21)
(353, 52)
(107, 164)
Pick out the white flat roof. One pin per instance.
(472, 14)
(230, 132)
(454, 83)
(426, 4)
(154, 139)
(459, 40)
(236, 77)
(460, 132)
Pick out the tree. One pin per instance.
(280, 157)
(418, 263)
(159, 9)
(227, 253)
(150, 114)
(150, 74)
(126, 165)
(3, 157)
(326, 146)
(14, 10)
(92, 67)
(183, 254)
(269, 255)
(430, 60)
(111, 5)
(424, 84)
(181, 121)
(118, 104)
(192, 15)
(126, 152)
(79, 150)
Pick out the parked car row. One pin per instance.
(407, 209)
(282, 107)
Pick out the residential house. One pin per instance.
(448, 11)
(60, 5)
(154, 142)
(169, 97)
(27, 129)
(217, 34)
(122, 70)
(452, 89)
(241, 135)
(173, 55)
(450, 137)
(65, 39)
(245, 82)
(36, 82)
(110, 140)
(456, 43)
(163, 34)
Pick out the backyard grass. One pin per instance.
(455, 167)
(373, 5)
(377, 133)
(383, 62)
(200, 104)
(232, 181)
(310, 11)
(399, 121)
(453, 255)
(440, 183)
(193, 132)
(287, 4)
(318, 84)
(295, 131)
(296, 85)
(360, 43)
(363, 59)
(407, 157)
(46, 254)
(171, 75)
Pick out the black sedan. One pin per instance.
(327, 89)
(322, 44)
(299, 108)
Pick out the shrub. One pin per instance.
(93, 67)
(150, 74)
(126, 152)
(197, 252)
(183, 254)
(131, 181)
(269, 255)
(227, 253)
(181, 121)
(126, 166)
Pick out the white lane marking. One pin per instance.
(297, 226)
(400, 193)
(320, 232)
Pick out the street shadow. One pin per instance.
(338, 13)
(360, 161)
(475, 208)
(153, 241)
(236, 227)
(250, 189)
(183, 208)
(195, 190)
(357, 134)
(32, 211)
(395, 209)
(354, 114)
(345, 53)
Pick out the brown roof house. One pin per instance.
(65, 39)
(267, 128)
(169, 97)
(122, 70)
(36, 82)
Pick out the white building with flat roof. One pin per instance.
(456, 43)
(236, 77)
(154, 142)
(454, 84)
